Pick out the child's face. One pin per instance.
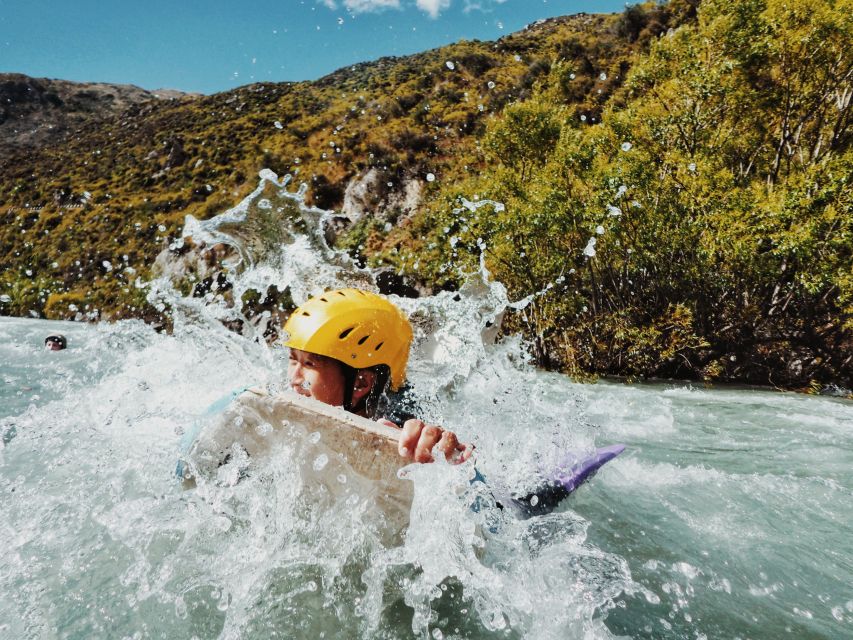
(316, 376)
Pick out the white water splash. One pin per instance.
(101, 541)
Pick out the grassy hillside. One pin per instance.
(37, 112)
(76, 215)
(675, 181)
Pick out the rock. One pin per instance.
(177, 155)
(334, 226)
(369, 194)
(392, 283)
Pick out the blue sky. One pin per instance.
(214, 45)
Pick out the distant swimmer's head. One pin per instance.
(55, 342)
(360, 330)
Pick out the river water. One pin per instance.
(730, 515)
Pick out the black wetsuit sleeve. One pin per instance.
(399, 406)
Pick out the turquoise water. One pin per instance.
(729, 516)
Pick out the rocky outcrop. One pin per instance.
(370, 194)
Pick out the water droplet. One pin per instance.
(450, 65)
(583, 118)
(626, 146)
(314, 438)
(180, 608)
(517, 58)
(603, 76)
(599, 230)
(278, 125)
(498, 621)
(342, 478)
(5, 298)
(430, 177)
(320, 462)
(491, 85)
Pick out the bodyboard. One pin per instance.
(344, 452)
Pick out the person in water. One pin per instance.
(56, 342)
(348, 348)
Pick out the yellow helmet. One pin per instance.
(359, 328)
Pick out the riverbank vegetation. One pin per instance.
(702, 229)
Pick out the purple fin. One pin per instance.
(573, 471)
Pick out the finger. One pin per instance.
(409, 438)
(430, 435)
(467, 450)
(448, 444)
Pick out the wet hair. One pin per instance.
(58, 338)
(369, 404)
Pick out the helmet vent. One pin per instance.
(323, 299)
(363, 340)
(346, 332)
(379, 346)
(305, 313)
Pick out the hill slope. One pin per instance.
(115, 188)
(40, 112)
(676, 185)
